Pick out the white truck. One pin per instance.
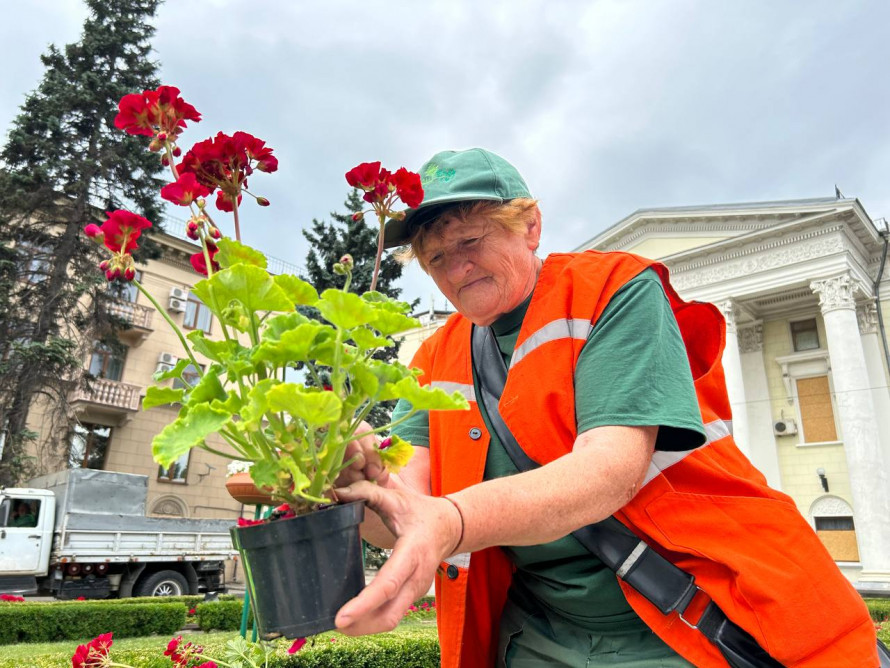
(84, 533)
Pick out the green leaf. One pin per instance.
(175, 372)
(297, 290)
(383, 301)
(293, 346)
(363, 380)
(300, 479)
(250, 286)
(264, 473)
(232, 252)
(161, 396)
(208, 388)
(315, 407)
(390, 323)
(367, 340)
(187, 431)
(345, 309)
(427, 398)
(281, 323)
(218, 351)
(257, 405)
(397, 454)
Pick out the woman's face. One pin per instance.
(484, 269)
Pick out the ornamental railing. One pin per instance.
(136, 315)
(110, 393)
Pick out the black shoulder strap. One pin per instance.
(664, 585)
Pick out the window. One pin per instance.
(106, 363)
(816, 410)
(125, 291)
(176, 472)
(88, 446)
(833, 521)
(197, 315)
(191, 375)
(36, 261)
(19, 512)
(805, 335)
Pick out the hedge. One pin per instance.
(221, 615)
(878, 608)
(47, 622)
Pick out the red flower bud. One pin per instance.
(162, 136)
(129, 274)
(112, 274)
(165, 161)
(104, 264)
(262, 201)
(177, 152)
(214, 232)
(358, 216)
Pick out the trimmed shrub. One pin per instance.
(82, 620)
(878, 608)
(221, 616)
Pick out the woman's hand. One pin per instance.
(366, 463)
(427, 529)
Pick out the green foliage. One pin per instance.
(42, 622)
(63, 164)
(879, 609)
(295, 433)
(221, 615)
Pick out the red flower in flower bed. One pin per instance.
(299, 643)
(10, 598)
(94, 654)
(155, 111)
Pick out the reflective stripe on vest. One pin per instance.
(461, 560)
(576, 328)
(664, 459)
(466, 390)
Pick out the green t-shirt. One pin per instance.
(633, 371)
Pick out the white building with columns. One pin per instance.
(805, 295)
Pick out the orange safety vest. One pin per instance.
(708, 510)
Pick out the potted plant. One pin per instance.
(289, 384)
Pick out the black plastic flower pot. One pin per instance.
(301, 570)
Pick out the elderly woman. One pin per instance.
(599, 382)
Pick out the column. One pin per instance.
(764, 454)
(735, 384)
(867, 315)
(858, 419)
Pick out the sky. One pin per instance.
(605, 106)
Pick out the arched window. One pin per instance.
(170, 505)
(833, 520)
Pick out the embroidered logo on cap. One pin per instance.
(434, 173)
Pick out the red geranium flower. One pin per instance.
(408, 187)
(364, 176)
(121, 230)
(184, 190)
(244, 522)
(155, 111)
(9, 598)
(297, 646)
(199, 263)
(94, 654)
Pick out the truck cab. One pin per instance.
(27, 518)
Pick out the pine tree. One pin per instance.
(63, 164)
(328, 242)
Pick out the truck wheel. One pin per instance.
(163, 583)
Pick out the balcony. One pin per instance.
(107, 400)
(137, 319)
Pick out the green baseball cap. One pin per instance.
(457, 176)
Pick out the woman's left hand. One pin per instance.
(427, 529)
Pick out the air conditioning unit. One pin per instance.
(179, 293)
(176, 305)
(785, 427)
(167, 358)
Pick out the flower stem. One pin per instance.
(237, 222)
(382, 220)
